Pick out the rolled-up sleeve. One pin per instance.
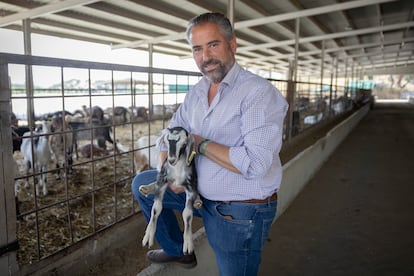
(261, 128)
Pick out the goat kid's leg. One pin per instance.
(155, 212)
(17, 187)
(43, 180)
(69, 158)
(145, 190)
(57, 170)
(188, 246)
(197, 202)
(27, 169)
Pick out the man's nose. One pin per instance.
(206, 54)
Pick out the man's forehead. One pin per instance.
(205, 33)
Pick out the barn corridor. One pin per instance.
(355, 216)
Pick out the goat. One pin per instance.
(91, 150)
(118, 115)
(61, 144)
(147, 155)
(16, 174)
(39, 146)
(139, 113)
(85, 130)
(179, 167)
(97, 113)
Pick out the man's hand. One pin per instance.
(197, 140)
(176, 189)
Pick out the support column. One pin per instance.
(8, 231)
(29, 73)
(293, 119)
(150, 80)
(322, 67)
(230, 11)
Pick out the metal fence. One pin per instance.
(97, 194)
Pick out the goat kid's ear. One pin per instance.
(166, 134)
(190, 151)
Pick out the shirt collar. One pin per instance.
(231, 76)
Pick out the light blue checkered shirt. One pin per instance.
(247, 115)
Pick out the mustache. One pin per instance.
(210, 62)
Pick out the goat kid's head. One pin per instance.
(180, 143)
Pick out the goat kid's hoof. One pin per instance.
(145, 190)
(148, 240)
(198, 203)
(188, 248)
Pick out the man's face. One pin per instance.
(213, 54)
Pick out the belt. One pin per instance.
(265, 200)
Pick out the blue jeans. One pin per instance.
(236, 231)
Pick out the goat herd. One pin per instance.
(57, 137)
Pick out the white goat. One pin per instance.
(16, 174)
(147, 155)
(39, 146)
(179, 167)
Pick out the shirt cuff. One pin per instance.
(238, 158)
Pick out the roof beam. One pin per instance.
(172, 37)
(308, 12)
(55, 7)
(266, 20)
(327, 36)
(333, 50)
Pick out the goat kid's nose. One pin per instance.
(172, 160)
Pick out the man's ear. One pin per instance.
(233, 44)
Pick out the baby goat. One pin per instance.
(36, 154)
(179, 168)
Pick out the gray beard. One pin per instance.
(217, 75)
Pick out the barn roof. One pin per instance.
(373, 35)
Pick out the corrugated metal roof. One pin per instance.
(374, 35)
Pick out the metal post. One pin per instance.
(29, 73)
(292, 125)
(297, 35)
(8, 237)
(322, 66)
(290, 97)
(230, 11)
(346, 77)
(331, 86)
(336, 77)
(150, 80)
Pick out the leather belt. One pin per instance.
(265, 200)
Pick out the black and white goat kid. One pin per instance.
(178, 168)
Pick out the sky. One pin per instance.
(55, 47)
(12, 42)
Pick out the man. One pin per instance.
(236, 118)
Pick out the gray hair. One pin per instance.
(214, 17)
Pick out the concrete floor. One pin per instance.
(355, 217)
